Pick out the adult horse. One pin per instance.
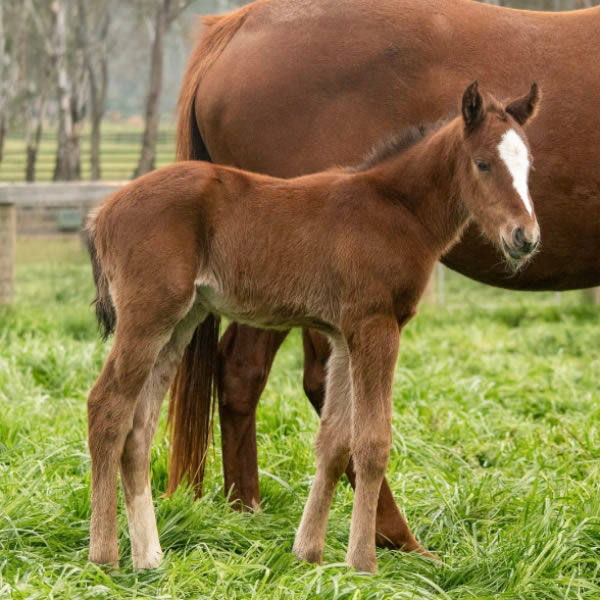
(287, 87)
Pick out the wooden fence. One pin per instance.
(50, 208)
(8, 235)
(119, 153)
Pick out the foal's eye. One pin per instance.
(482, 165)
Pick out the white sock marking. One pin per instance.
(513, 152)
(145, 546)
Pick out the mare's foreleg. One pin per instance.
(373, 352)
(333, 453)
(245, 358)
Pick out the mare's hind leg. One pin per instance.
(333, 453)
(145, 545)
(245, 358)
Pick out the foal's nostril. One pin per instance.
(522, 242)
(519, 238)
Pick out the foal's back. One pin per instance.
(213, 228)
(257, 249)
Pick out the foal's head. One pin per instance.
(496, 190)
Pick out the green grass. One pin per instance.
(495, 459)
(118, 157)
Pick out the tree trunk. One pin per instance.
(66, 157)
(95, 51)
(30, 164)
(2, 135)
(97, 102)
(147, 157)
(2, 76)
(33, 137)
(96, 169)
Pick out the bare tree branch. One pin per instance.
(42, 31)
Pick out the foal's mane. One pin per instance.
(395, 144)
(410, 136)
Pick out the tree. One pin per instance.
(166, 12)
(36, 83)
(95, 52)
(12, 29)
(68, 66)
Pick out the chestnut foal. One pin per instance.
(347, 251)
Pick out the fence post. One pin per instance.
(8, 236)
(435, 293)
(592, 295)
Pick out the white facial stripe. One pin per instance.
(513, 152)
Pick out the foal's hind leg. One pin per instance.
(145, 545)
(333, 453)
(111, 408)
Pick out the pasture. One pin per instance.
(495, 458)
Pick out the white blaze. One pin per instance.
(513, 152)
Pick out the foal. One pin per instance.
(348, 252)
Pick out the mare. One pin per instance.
(288, 87)
(346, 251)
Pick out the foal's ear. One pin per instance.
(472, 107)
(522, 109)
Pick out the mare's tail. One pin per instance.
(217, 33)
(191, 407)
(105, 309)
(193, 395)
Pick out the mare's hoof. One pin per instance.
(426, 554)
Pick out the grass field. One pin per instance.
(495, 459)
(119, 152)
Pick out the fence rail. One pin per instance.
(119, 153)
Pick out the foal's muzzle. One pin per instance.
(523, 243)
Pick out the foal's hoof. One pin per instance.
(308, 553)
(150, 560)
(109, 560)
(362, 561)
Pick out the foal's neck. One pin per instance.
(425, 180)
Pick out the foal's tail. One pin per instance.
(191, 407)
(105, 309)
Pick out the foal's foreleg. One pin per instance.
(374, 348)
(145, 545)
(333, 453)
(392, 529)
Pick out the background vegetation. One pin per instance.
(119, 152)
(495, 455)
(495, 458)
(73, 72)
